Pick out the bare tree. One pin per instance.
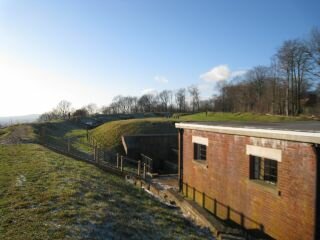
(195, 97)
(82, 112)
(181, 99)
(145, 102)
(295, 62)
(164, 98)
(314, 45)
(257, 78)
(63, 109)
(91, 108)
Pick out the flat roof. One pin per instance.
(300, 131)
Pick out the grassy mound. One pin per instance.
(45, 195)
(109, 134)
(240, 117)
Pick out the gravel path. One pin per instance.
(18, 134)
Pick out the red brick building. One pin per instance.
(263, 177)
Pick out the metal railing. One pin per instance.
(148, 161)
(219, 209)
(91, 151)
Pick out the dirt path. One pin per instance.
(18, 134)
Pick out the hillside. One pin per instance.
(237, 117)
(46, 195)
(109, 134)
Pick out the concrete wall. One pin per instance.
(285, 211)
(157, 146)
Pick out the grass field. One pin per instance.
(109, 134)
(238, 117)
(59, 131)
(45, 195)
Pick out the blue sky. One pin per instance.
(91, 51)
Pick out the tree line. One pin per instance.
(288, 86)
(182, 100)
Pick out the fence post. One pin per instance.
(194, 194)
(144, 170)
(203, 200)
(187, 189)
(242, 219)
(68, 145)
(121, 163)
(117, 160)
(215, 206)
(228, 212)
(139, 165)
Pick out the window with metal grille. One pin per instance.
(264, 169)
(200, 152)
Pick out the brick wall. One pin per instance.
(285, 211)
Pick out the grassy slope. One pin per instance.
(239, 117)
(62, 130)
(109, 134)
(45, 195)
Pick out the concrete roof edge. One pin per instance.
(307, 137)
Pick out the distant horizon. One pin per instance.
(23, 115)
(90, 52)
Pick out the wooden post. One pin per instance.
(187, 189)
(203, 200)
(194, 194)
(242, 219)
(215, 206)
(144, 170)
(117, 160)
(139, 165)
(121, 163)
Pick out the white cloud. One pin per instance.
(161, 79)
(221, 73)
(218, 73)
(149, 91)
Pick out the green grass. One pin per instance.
(109, 134)
(45, 195)
(239, 117)
(4, 132)
(59, 131)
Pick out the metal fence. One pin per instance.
(220, 209)
(89, 150)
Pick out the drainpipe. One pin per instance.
(316, 148)
(180, 159)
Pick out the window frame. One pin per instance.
(199, 152)
(263, 169)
